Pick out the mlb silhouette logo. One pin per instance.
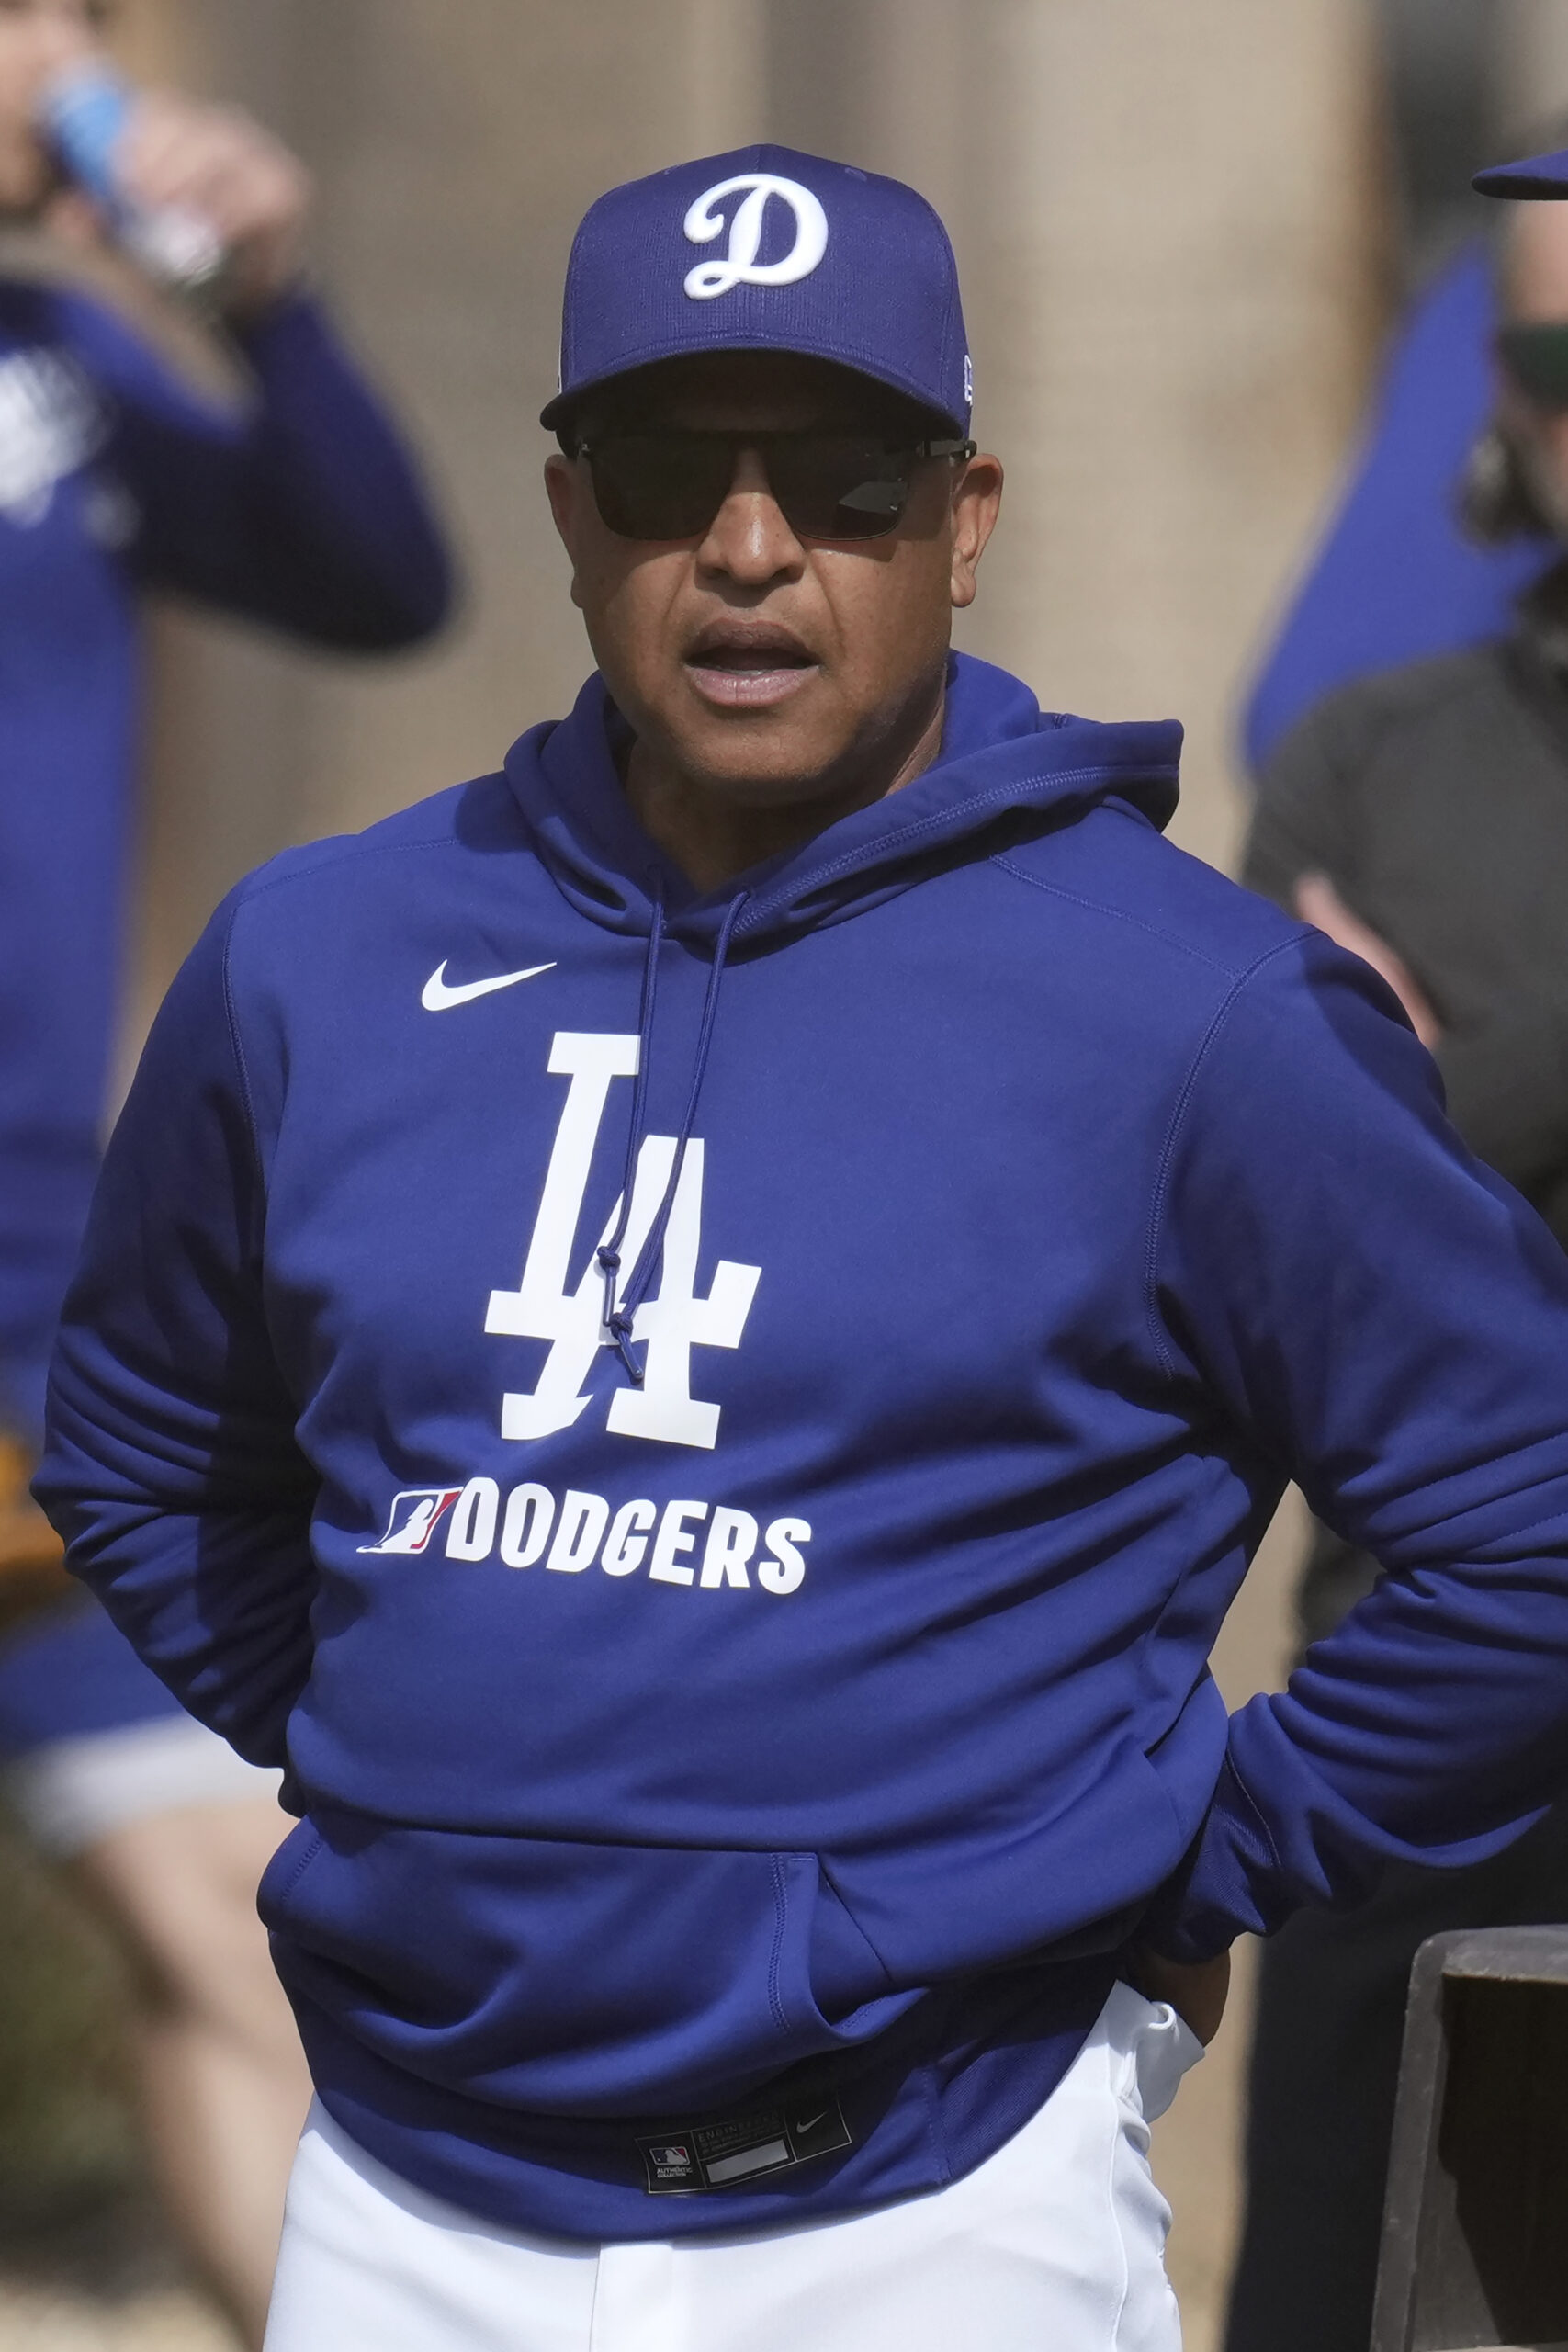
(668, 2167)
(415, 1517)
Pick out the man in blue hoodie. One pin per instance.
(697, 1335)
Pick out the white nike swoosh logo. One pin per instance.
(439, 998)
(812, 2120)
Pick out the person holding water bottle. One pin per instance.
(175, 413)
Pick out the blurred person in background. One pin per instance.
(236, 457)
(1398, 575)
(1419, 817)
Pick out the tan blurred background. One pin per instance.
(1180, 230)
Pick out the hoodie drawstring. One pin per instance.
(619, 1317)
(610, 1252)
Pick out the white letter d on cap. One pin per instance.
(740, 263)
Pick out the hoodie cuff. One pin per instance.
(288, 330)
(1222, 1887)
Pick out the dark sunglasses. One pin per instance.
(827, 485)
(1537, 359)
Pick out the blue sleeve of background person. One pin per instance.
(69, 1675)
(202, 1498)
(310, 517)
(1390, 1321)
(1395, 579)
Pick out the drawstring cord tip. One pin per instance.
(616, 1323)
(620, 1331)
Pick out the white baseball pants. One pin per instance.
(1057, 2244)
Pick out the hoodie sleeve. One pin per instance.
(311, 517)
(171, 1468)
(1387, 1321)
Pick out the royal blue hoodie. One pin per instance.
(739, 1722)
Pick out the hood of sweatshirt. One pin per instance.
(1002, 758)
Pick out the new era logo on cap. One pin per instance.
(767, 250)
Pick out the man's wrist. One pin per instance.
(250, 321)
(254, 287)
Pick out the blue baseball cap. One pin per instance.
(1538, 175)
(766, 249)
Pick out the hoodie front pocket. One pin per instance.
(572, 1979)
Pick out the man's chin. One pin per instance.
(770, 750)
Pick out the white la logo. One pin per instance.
(572, 1320)
(50, 424)
(740, 263)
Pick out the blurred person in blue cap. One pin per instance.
(237, 459)
(1398, 575)
(696, 1335)
(1419, 817)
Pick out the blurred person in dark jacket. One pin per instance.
(1420, 818)
(238, 459)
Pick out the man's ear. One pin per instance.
(976, 501)
(564, 487)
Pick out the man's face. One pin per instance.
(38, 40)
(767, 666)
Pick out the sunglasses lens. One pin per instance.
(670, 485)
(837, 489)
(1537, 359)
(660, 486)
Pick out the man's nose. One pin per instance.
(749, 539)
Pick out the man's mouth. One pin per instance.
(748, 666)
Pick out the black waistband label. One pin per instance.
(694, 2157)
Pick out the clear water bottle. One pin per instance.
(84, 114)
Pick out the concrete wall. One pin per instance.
(1162, 217)
(1530, 70)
